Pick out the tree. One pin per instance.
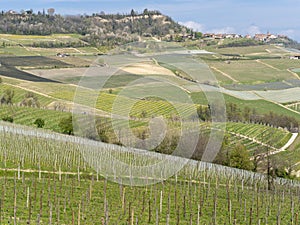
(198, 35)
(132, 13)
(30, 100)
(223, 156)
(146, 12)
(40, 123)
(7, 97)
(51, 11)
(8, 119)
(240, 158)
(66, 125)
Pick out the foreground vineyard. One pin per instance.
(48, 178)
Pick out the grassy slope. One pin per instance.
(248, 70)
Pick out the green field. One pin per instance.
(260, 50)
(249, 71)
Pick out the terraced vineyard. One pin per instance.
(27, 116)
(250, 134)
(19, 95)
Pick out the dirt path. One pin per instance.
(33, 91)
(21, 45)
(77, 50)
(293, 73)
(253, 140)
(276, 150)
(282, 149)
(268, 65)
(98, 111)
(290, 142)
(224, 74)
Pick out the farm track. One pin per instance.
(224, 74)
(253, 140)
(268, 65)
(99, 112)
(17, 43)
(276, 150)
(294, 74)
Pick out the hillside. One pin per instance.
(96, 29)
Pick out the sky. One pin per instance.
(217, 16)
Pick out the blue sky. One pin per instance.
(231, 16)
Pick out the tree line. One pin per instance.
(250, 115)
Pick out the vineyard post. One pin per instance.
(157, 217)
(27, 200)
(79, 206)
(149, 218)
(132, 216)
(168, 219)
(29, 211)
(50, 214)
(160, 203)
(15, 200)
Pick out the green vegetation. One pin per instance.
(40, 123)
(66, 125)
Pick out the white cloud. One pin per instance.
(202, 28)
(222, 30)
(292, 33)
(252, 30)
(193, 25)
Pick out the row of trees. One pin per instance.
(236, 114)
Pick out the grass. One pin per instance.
(27, 116)
(30, 39)
(19, 95)
(283, 64)
(250, 71)
(247, 50)
(15, 51)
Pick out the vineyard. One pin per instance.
(52, 179)
(250, 134)
(151, 95)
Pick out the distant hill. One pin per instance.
(97, 29)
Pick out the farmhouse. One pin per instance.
(12, 12)
(208, 35)
(265, 37)
(62, 55)
(295, 57)
(261, 37)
